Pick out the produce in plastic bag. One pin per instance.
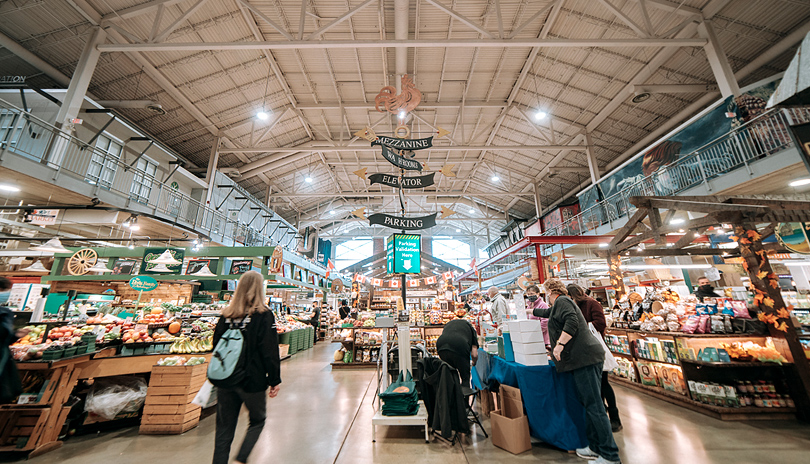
(114, 395)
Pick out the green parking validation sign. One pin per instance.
(404, 254)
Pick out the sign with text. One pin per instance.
(404, 144)
(404, 253)
(143, 283)
(400, 161)
(403, 223)
(403, 182)
(150, 254)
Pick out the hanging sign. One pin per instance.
(403, 144)
(404, 223)
(404, 182)
(400, 161)
(404, 254)
(143, 283)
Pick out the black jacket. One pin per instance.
(261, 342)
(344, 312)
(440, 389)
(10, 385)
(583, 349)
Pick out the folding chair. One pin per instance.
(469, 399)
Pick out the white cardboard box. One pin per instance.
(528, 325)
(528, 348)
(531, 359)
(527, 337)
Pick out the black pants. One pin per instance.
(610, 398)
(597, 424)
(229, 403)
(460, 363)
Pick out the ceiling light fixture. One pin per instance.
(676, 221)
(262, 115)
(800, 182)
(204, 271)
(603, 245)
(36, 266)
(332, 212)
(160, 268)
(308, 179)
(165, 258)
(131, 245)
(458, 230)
(540, 115)
(8, 188)
(53, 245)
(495, 178)
(472, 210)
(100, 266)
(402, 114)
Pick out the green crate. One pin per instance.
(284, 338)
(52, 355)
(70, 351)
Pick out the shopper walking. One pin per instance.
(499, 308)
(457, 344)
(578, 352)
(344, 309)
(594, 313)
(10, 385)
(262, 367)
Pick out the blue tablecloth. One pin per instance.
(555, 415)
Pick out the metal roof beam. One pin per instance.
(415, 43)
(352, 148)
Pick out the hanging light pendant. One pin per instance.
(53, 245)
(36, 266)
(204, 272)
(165, 258)
(100, 267)
(160, 268)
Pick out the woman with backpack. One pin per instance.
(258, 368)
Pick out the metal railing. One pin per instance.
(26, 135)
(759, 138)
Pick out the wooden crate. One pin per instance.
(168, 409)
(283, 350)
(22, 429)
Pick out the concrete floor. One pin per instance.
(322, 416)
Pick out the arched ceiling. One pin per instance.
(484, 68)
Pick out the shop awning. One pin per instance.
(795, 86)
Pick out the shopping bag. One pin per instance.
(203, 395)
(401, 397)
(610, 361)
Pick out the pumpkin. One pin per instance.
(156, 311)
(174, 328)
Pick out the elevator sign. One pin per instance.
(404, 254)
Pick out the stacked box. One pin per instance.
(168, 409)
(527, 343)
(284, 338)
(294, 342)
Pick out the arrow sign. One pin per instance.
(361, 213)
(406, 263)
(361, 173)
(403, 182)
(446, 212)
(441, 132)
(399, 161)
(403, 223)
(366, 133)
(447, 170)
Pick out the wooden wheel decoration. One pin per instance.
(81, 261)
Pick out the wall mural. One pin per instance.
(718, 121)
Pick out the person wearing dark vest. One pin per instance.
(344, 309)
(262, 369)
(456, 345)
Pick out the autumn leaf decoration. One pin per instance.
(754, 235)
(762, 274)
(782, 313)
(768, 302)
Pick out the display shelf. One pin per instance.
(656, 361)
(734, 364)
(722, 413)
(353, 365)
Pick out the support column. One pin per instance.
(80, 80)
(772, 308)
(541, 265)
(718, 60)
(211, 172)
(267, 195)
(616, 277)
(593, 166)
(538, 204)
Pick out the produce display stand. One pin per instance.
(168, 409)
(426, 333)
(34, 428)
(724, 373)
(297, 340)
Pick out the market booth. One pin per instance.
(145, 327)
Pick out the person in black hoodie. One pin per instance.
(263, 367)
(705, 289)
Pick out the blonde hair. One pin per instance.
(249, 297)
(555, 286)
